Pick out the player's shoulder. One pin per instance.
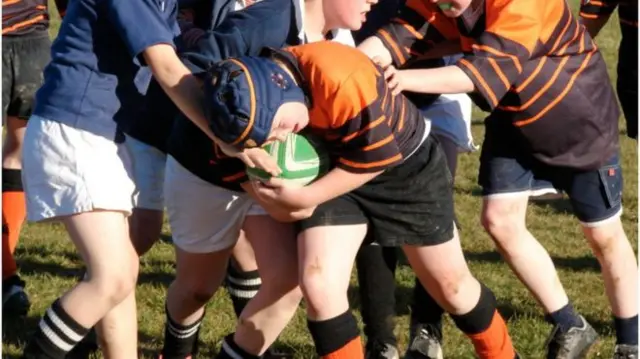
(331, 64)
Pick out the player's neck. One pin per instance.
(314, 21)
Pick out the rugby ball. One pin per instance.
(302, 158)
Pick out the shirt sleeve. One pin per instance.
(243, 32)
(593, 9)
(496, 57)
(418, 26)
(141, 23)
(367, 142)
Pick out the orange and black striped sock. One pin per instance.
(13, 214)
(486, 328)
(337, 338)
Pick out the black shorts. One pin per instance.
(410, 204)
(23, 61)
(627, 83)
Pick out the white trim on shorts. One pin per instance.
(204, 218)
(602, 222)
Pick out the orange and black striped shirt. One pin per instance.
(534, 67)
(22, 17)
(367, 129)
(627, 10)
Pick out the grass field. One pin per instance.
(50, 265)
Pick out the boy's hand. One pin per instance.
(395, 79)
(279, 193)
(257, 157)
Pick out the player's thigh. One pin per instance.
(148, 174)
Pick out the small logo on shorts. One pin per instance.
(612, 172)
(279, 80)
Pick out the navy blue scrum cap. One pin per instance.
(242, 96)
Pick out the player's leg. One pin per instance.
(83, 179)
(627, 83)
(205, 222)
(146, 221)
(377, 283)
(243, 279)
(597, 201)
(328, 242)
(267, 314)
(506, 187)
(23, 60)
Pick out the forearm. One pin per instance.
(179, 84)
(443, 80)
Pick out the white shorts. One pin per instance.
(67, 171)
(450, 116)
(148, 174)
(204, 218)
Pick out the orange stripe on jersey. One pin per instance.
(483, 83)
(367, 128)
(401, 120)
(382, 163)
(23, 24)
(394, 45)
(496, 52)
(234, 177)
(596, 3)
(559, 97)
(533, 75)
(10, 2)
(570, 42)
(542, 91)
(252, 99)
(588, 16)
(561, 36)
(379, 143)
(409, 28)
(498, 71)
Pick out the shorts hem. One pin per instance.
(213, 248)
(58, 215)
(602, 221)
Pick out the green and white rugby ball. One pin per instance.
(302, 158)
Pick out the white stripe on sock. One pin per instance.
(244, 294)
(54, 338)
(182, 333)
(244, 282)
(227, 349)
(70, 333)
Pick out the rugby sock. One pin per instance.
(376, 282)
(626, 330)
(565, 318)
(426, 311)
(486, 328)
(56, 335)
(242, 287)
(231, 350)
(13, 214)
(337, 338)
(180, 341)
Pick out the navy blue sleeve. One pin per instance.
(244, 32)
(141, 23)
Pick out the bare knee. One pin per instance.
(315, 286)
(605, 238)
(504, 222)
(116, 284)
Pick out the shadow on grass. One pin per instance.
(17, 330)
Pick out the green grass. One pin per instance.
(50, 265)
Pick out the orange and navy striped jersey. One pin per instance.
(534, 67)
(21, 17)
(367, 129)
(627, 10)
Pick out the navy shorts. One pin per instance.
(23, 61)
(595, 195)
(410, 204)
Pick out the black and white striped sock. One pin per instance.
(180, 341)
(242, 287)
(56, 335)
(231, 350)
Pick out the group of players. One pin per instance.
(155, 104)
